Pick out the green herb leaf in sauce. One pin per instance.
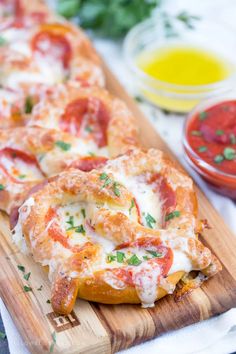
(232, 138)
(116, 189)
(103, 176)
(111, 258)
(2, 335)
(62, 145)
(150, 220)
(172, 215)
(120, 256)
(229, 153)
(131, 206)
(80, 229)
(219, 132)
(196, 133)
(155, 254)
(71, 223)
(146, 258)
(202, 115)
(27, 276)
(21, 268)
(134, 260)
(218, 158)
(28, 105)
(2, 187)
(27, 288)
(202, 148)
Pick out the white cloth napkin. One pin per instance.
(213, 336)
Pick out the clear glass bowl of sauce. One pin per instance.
(176, 73)
(210, 143)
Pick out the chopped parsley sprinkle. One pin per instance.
(62, 145)
(134, 260)
(103, 176)
(196, 133)
(120, 256)
(172, 215)
(150, 220)
(2, 335)
(220, 132)
(83, 212)
(146, 258)
(48, 301)
(138, 99)
(27, 288)
(21, 268)
(232, 138)
(2, 187)
(111, 258)
(21, 176)
(155, 254)
(53, 342)
(218, 158)
(202, 148)
(80, 229)
(40, 288)
(70, 222)
(116, 189)
(2, 41)
(27, 276)
(131, 206)
(28, 105)
(229, 153)
(88, 129)
(91, 153)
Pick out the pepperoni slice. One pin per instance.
(86, 117)
(166, 194)
(165, 262)
(11, 161)
(54, 45)
(89, 163)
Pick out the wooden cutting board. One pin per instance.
(94, 328)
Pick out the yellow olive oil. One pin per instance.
(182, 65)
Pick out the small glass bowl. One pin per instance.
(150, 35)
(221, 182)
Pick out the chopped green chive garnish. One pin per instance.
(120, 256)
(218, 158)
(2, 187)
(155, 254)
(62, 145)
(202, 115)
(131, 206)
(202, 148)
(80, 229)
(220, 132)
(150, 220)
(146, 258)
(83, 212)
(196, 133)
(21, 176)
(70, 222)
(172, 215)
(116, 189)
(229, 153)
(27, 276)
(2, 335)
(21, 268)
(27, 288)
(28, 105)
(103, 176)
(134, 260)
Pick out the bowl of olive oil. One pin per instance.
(175, 73)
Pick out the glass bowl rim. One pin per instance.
(142, 75)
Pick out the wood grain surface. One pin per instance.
(95, 328)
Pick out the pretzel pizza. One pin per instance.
(103, 243)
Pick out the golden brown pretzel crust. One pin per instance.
(122, 131)
(81, 270)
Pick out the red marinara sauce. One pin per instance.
(210, 144)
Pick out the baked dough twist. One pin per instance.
(86, 227)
